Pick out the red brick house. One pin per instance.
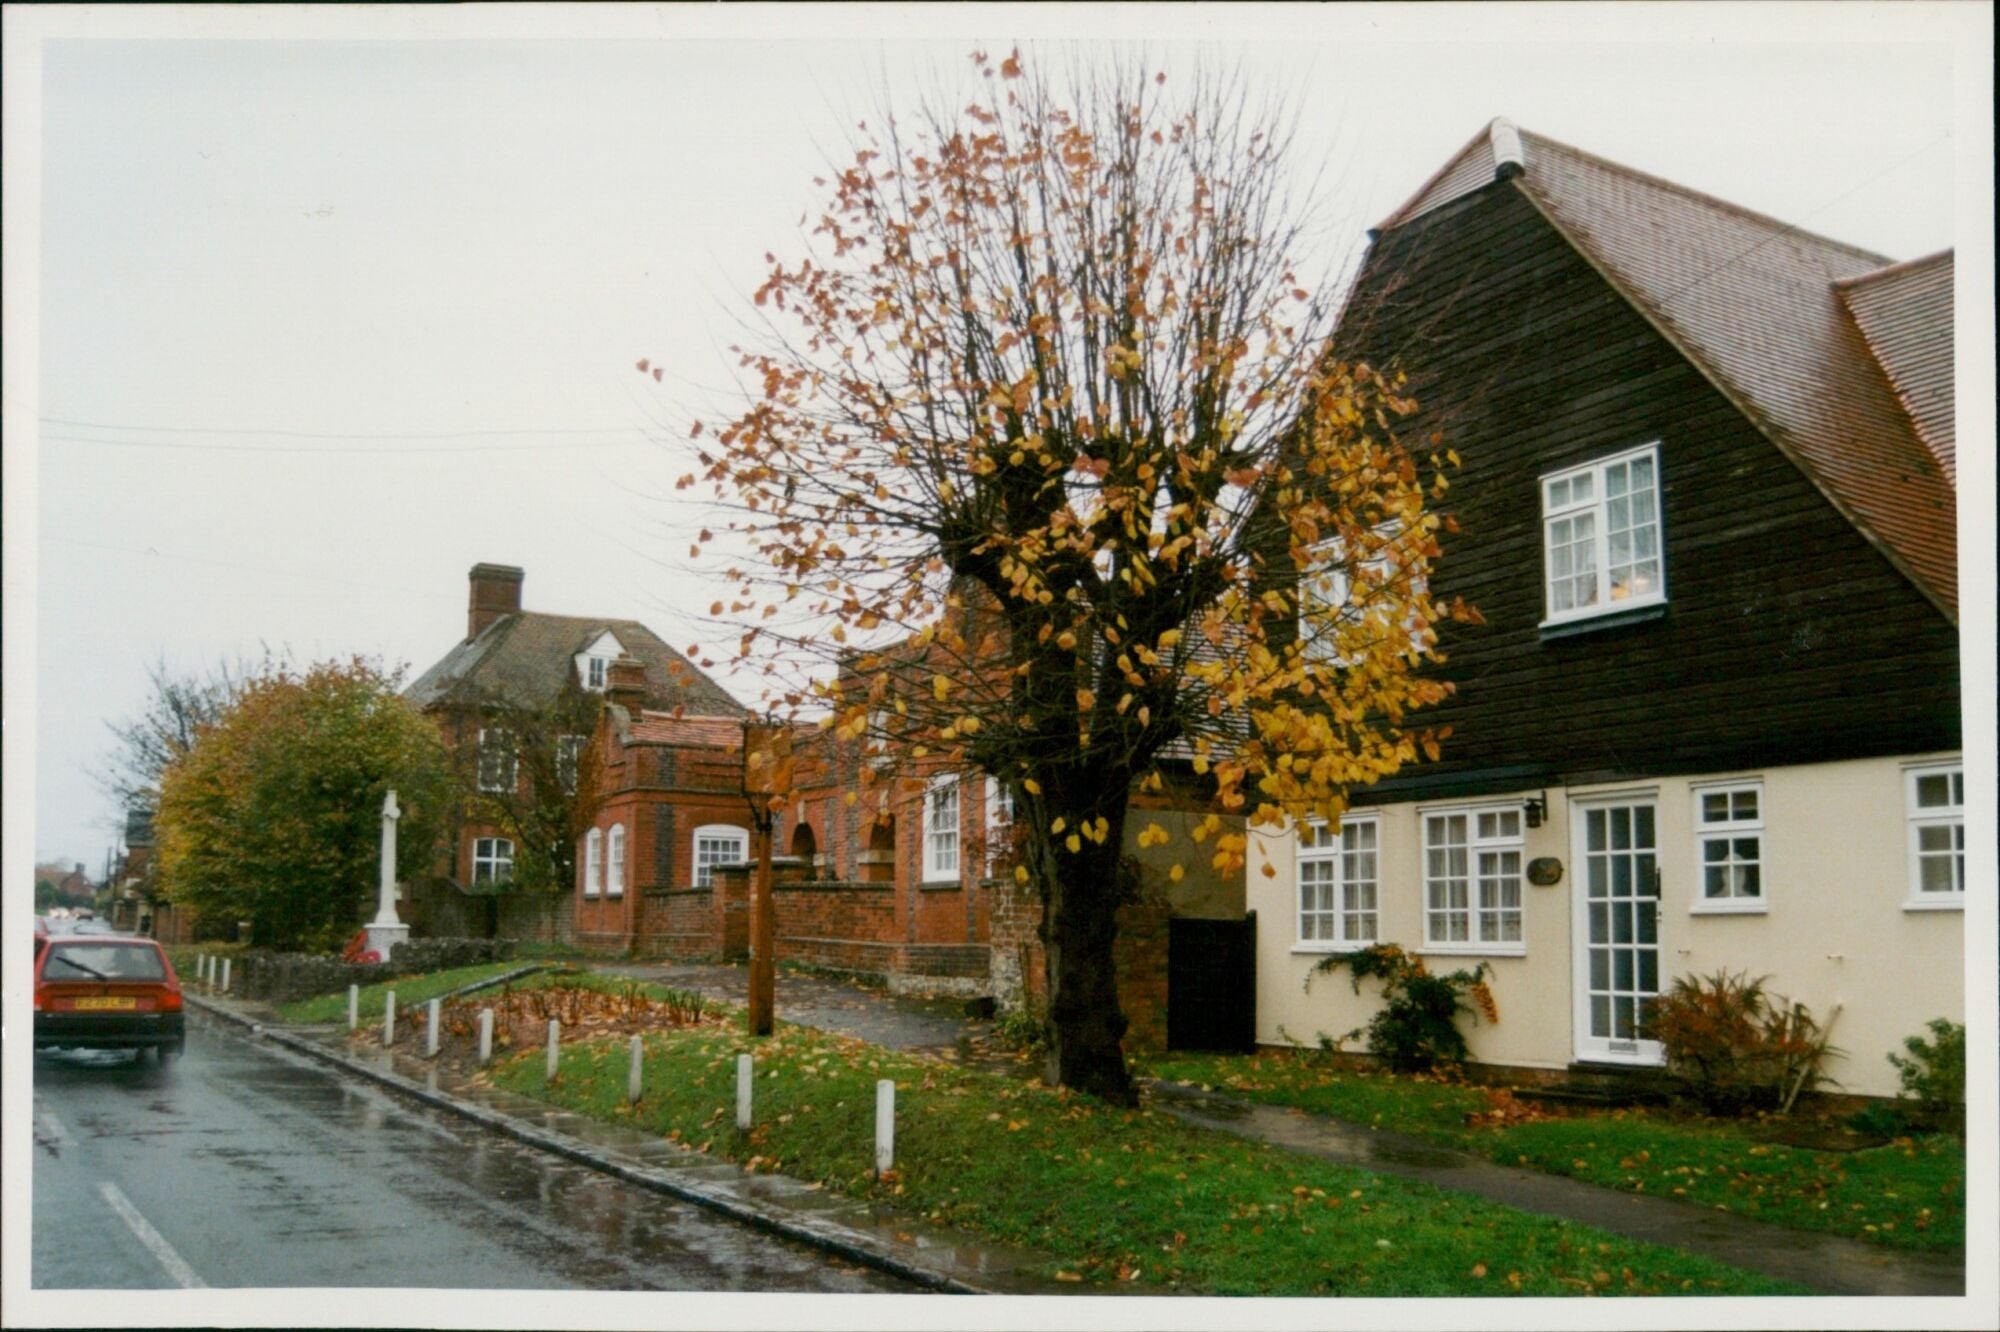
(512, 660)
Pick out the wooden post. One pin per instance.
(485, 1037)
(885, 1126)
(763, 935)
(555, 1050)
(389, 1019)
(745, 1075)
(632, 1079)
(431, 1028)
(353, 1007)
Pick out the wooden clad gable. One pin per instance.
(1786, 637)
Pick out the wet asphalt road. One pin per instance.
(243, 1165)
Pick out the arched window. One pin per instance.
(718, 844)
(593, 859)
(614, 869)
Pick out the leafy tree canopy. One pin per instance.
(274, 814)
(1046, 471)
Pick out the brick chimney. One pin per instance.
(496, 591)
(625, 685)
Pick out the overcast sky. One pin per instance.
(324, 322)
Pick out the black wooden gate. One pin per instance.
(1212, 984)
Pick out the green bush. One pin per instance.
(1732, 1047)
(1417, 1029)
(1022, 1028)
(1934, 1075)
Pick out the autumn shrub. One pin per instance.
(1733, 1047)
(1933, 1075)
(1417, 1028)
(1022, 1028)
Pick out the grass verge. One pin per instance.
(1118, 1195)
(410, 990)
(1909, 1194)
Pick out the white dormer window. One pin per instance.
(593, 664)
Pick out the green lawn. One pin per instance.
(1909, 1194)
(1117, 1195)
(410, 991)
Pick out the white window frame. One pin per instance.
(1600, 540)
(488, 853)
(596, 673)
(569, 759)
(496, 745)
(1729, 831)
(1343, 854)
(999, 821)
(1923, 817)
(593, 861)
(715, 834)
(941, 844)
(1477, 907)
(614, 861)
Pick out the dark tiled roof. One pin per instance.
(1753, 303)
(527, 658)
(1905, 313)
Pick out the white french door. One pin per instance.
(1617, 900)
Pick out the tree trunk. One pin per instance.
(1081, 892)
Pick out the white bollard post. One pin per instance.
(745, 1072)
(353, 1007)
(485, 1037)
(201, 968)
(632, 1081)
(885, 1126)
(431, 1028)
(555, 1057)
(389, 1019)
(225, 975)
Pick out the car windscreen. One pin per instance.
(125, 962)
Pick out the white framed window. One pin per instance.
(497, 763)
(941, 829)
(1472, 880)
(595, 670)
(1934, 798)
(569, 751)
(1339, 881)
(718, 844)
(1601, 530)
(593, 861)
(1729, 847)
(492, 860)
(614, 862)
(999, 821)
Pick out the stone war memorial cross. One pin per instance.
(386, 930)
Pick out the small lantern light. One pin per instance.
(1537, 809)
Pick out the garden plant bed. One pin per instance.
(1806, 1173)
(1129, 1197)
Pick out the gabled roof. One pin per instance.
(1904, 311)
(527, 658)
(1755, 305)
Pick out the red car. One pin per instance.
(101, 992)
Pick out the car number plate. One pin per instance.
(119, 1002)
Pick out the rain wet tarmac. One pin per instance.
(257, 1167)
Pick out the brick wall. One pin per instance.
(1020, 965)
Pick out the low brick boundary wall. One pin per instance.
(283, 977)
